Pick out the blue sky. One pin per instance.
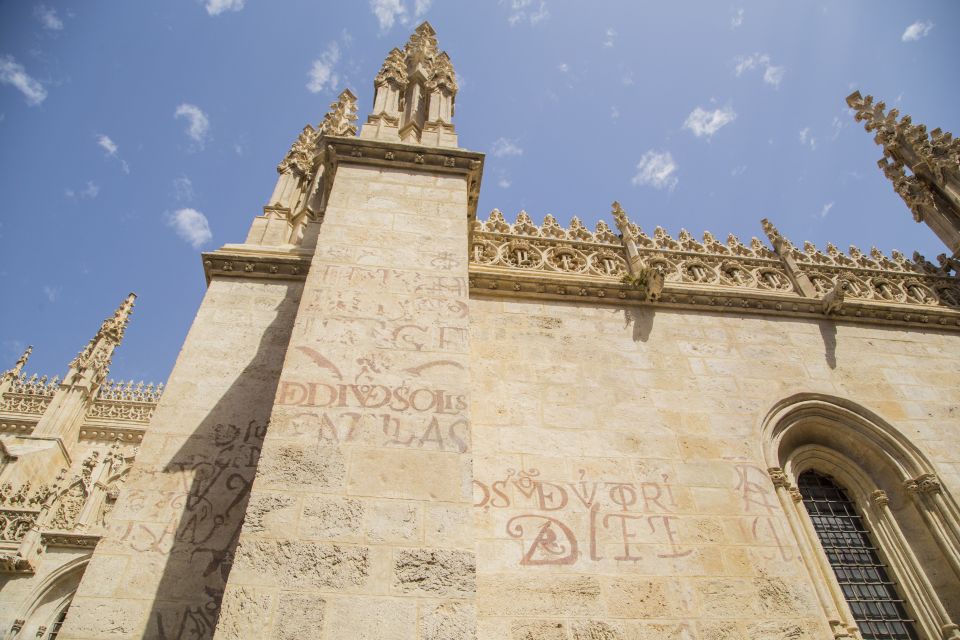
(133, 135)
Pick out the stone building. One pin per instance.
(394, 420)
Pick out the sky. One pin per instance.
(134, 135)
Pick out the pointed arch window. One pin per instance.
(864, 578)
(57, 623)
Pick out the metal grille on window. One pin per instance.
(57, 624)
(871, 594)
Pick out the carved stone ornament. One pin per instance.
(862, 286)
(880, 498)
(924, 483)
(779, 477)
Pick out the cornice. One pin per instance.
(410, 157)
(490, 283)
(66, 539)
(247, 261)
(110, 432)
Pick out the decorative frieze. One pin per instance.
(229, 264)
(523, 258)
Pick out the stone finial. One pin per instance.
(394, 69)
(299, 158)
(340, 119)
(17, 369)
(620, 218)
(96, 355)
(414, 94)
(931, 189)
(780, 244)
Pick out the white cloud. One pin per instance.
(614, 113)
(13, 73)
(388, 12)
(611, 35)
(532, 11)
(108, 145)
(656, 169)
(51, 292)
(627, 79)
(738, 170)
(198, 124)
(826, 209)
(772, 74)
(183, 189)
(564, 67)
(504, 147)
(503, 182)
(216, 7)
(737, 18)
(808, 140)
(111, 148)
(420, 7)
(191, 225)
(917, 30)
(322, 74)
(48, 17)
(706, 123)
(92, 190)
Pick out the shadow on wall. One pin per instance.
(222, 455)
(828, 329)
(642, 320)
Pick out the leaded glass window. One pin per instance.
(863, 577)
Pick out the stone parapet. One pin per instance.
(550, 261)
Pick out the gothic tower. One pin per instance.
(326, 375)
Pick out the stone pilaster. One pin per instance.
(360, 516)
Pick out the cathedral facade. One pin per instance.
(392, 419)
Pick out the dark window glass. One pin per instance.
(57, 624)
(867, 586)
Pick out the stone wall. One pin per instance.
(620, 487)
(161, 569)
(359, 522)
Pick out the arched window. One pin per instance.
(863, 577)
(54, 629)
(878, 532)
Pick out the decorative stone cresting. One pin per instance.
(555, 260)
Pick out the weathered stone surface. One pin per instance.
(448, 621)
(295, 563)
(368, 618)
(438, 572)
(326, 518)
(298, 613)
(244, 613)
(538, 630)
(313, 466)
(595, 630)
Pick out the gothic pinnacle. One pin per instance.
(339, 120)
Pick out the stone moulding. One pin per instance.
(395, 155)
(552, 262)
(72, 540)
(226, 263)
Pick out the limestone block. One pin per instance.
(311, 467)
(299, 564)
(538, 630)
(513, 595)
(642, 597)
(448, 621)
(270, 514)
(370, 618)
(332, 518)
(244, 612)
(596, 630)
(297, 613)
(438, 572)
(392, 522)
(397, 473)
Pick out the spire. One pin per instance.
(340, 119)
(414, 94)
(931, 189)
(95, 357)
(14, 373)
